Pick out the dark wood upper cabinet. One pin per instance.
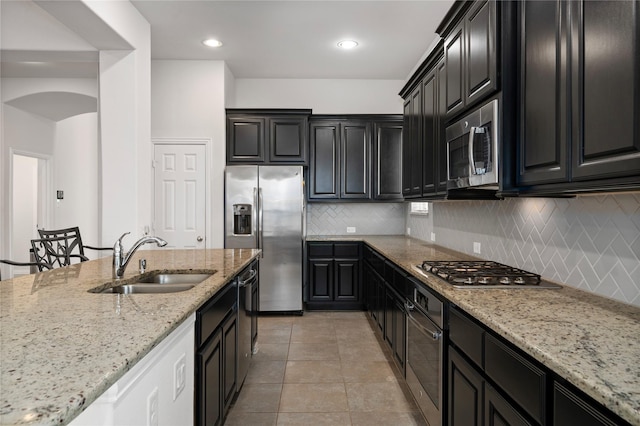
(387, 152)
(355, 157)
(544, 136)
(454, 54)
(412, 145)
(580, 96)
(324, 170)
(605, 103)
(481, 58)
(356, 152)
(288, 140)
(471, 57)
(429, 127)
(266, 136)
(245, 139)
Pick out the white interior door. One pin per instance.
(180, 194)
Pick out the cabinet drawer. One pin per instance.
(520, 379)
(569, 409)
(466, 335)
(320, 250)
(211, 315)
(344, 250)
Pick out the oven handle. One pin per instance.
(435, 335)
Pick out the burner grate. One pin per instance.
(481, 273)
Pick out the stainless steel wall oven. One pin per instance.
(425, 351)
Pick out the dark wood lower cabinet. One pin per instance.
(209, 376)
(465, 392)
(333, 275)
(215, 357)
(498, 412)
(229, 349)
(570, 409)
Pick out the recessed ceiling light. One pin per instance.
(212, 42)
(347, 44)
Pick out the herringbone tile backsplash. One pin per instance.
(589, 242)
(367, 218)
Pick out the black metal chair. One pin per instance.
(53, 252)
(47, 254)
(72, 245)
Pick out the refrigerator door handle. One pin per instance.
(260, 225)
(255, 216)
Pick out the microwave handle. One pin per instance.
(472, 161)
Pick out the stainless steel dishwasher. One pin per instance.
(247, 281)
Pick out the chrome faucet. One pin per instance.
(121, 259)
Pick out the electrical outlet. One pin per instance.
(433, 237)
(351, 229)
(408, 231)
(152, 408)
(476, 247)
(179, 373)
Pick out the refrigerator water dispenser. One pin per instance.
(242, 219)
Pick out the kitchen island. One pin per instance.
(590, 341)
(61, 346)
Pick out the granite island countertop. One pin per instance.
(591, 341)
(61, 347)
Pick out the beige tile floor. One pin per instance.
(322, 368)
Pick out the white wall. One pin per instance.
(75, 165)
(323, 96)
(25, 202)
(188, 101)
(125, 112)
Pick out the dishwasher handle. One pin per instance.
(244, 282)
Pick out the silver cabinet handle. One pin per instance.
(199, 239)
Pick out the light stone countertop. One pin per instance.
(61, 347)
(591, 341)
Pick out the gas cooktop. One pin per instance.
(484, 274)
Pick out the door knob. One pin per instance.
(199, 239)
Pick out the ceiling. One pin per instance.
(297, 39)
(261, 39)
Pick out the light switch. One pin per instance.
(59, 195)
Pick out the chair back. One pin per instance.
(73, 246)
(51, 252)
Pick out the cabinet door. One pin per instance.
(412, 146)
(208, 379)
(324, 159)
(400, 334)
(441, 140)
(347, 281)
(288, 140)
(429, 127)
(453, 55)
(465, 392)
(543, 150)
(229, 347)
(354, 161)
(387, 175)
(320, 280)
(605, 89)
(245, 140)
(497, 411)
(480, 61)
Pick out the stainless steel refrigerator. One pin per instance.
(264, 208)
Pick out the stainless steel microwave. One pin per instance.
(472, 149)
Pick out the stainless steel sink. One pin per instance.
(151, 283)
